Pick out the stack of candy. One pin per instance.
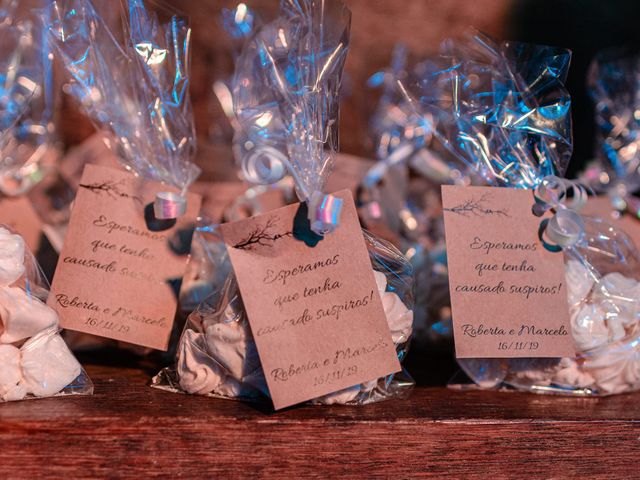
(35, 359)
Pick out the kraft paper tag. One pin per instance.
(312, 303)
(19, 215)
(508, 293)
(120, 268)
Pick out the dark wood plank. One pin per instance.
(128, 430)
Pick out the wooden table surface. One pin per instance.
(128, 429)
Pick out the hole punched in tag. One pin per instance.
(302, 227)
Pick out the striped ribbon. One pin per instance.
(169, 205)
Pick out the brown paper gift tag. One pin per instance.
(312, 303)
(508, 293)
(118, 269)
(18, 214)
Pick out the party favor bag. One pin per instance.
(507, 115)
(128, 240)
(286, 100)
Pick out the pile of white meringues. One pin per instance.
(34, 359)
(605, 325)
(223, 360)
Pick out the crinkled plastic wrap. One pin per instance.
(613, 85)
(217, 355)
(507, 115)
(285, 93)
(26, 101)
(207, 269)
(35, 361)
(603, 283)
(403, 128)
(401, 192)
(138, 90)
(399, 189)
(501, 109)
(240, 23)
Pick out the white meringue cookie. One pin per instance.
(224, 360)
(615, 370)
(486, 372)
(532, 371)
(200, 373)
(616, 328)
(598, 328)
(232, 388)
(197, 371)
(588, 327)
(621, 295)
(399, 317)
(10, 374)
(22, 316)
(530, 377)
(579, 281)
(346, 395)
(369, 386)
(11, 257)
(233, 347)
(608, 362)
(381, 280)
(620, 285)
(572, 376)
(47, 364)
(400, 321)
(340, 397)
(232, 313)
(631, 371)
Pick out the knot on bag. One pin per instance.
(564, 198)
(265, 165)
